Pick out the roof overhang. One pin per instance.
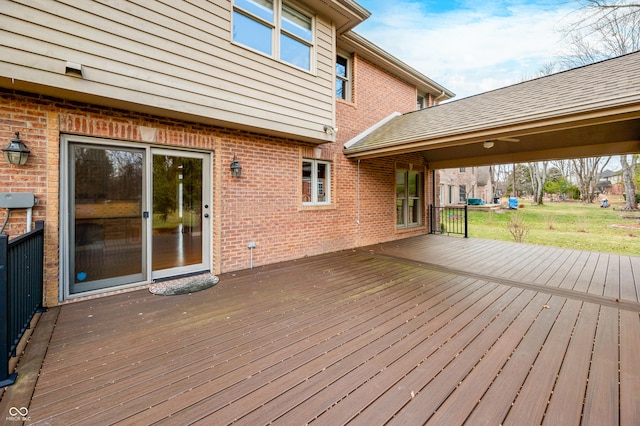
(609, 131)
(588, 111)
(355, 43)
(345, 14)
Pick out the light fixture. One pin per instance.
(16, 152)
(330, 130)
(487, 144)
(236, 168)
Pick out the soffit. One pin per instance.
(596, 107)
(355, 43)
(345, 14)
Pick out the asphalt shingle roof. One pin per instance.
(601, 85)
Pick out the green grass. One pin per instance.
(564, 224)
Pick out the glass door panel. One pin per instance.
(106, 221)
(177, 214)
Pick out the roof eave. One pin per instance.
(345, 14)
(513, 128)
(373, 53)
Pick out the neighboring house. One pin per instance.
(611, 183)
(458, 185)
(137, 117)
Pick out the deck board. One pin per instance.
(531, 402)
(469, 391)
(431, 329)
(497, 401)
(568, 394)
(629, 371)
(602, 397)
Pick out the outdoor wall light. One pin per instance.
(236, 168)
(16, 152)
(487, 144)
(330, 130)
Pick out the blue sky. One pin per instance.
(469, 47)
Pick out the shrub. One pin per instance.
(518, 229)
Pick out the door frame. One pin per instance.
(63, 218)
(206, 221)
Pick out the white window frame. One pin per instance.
(346, 78)
(462, 194)
(277, 30)
(407, 197)
(315, 183)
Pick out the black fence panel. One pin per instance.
(449, 220)
(21, 286)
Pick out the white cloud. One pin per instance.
(468, 51)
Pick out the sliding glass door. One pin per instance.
(134, 215)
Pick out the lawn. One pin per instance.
(564, 224)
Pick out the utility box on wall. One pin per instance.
(17, 200)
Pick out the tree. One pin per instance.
(628, 177)
(587, 171)
(520, 181)
(538, 176)
(499, 178)
(604, 29)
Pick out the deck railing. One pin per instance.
(21, 280)
(449, 220)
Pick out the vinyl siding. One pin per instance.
(175, 56)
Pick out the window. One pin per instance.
(408, 198)
(343, 80)
(463, 169)
(275, 29)
(316, 182)
(463, 194)
(420, 103)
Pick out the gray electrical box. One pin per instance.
(17, 200)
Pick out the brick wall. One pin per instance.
(376, 94)
(263, 206)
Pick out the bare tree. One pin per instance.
(587, 171)
(628, 176)
(564, 166)
(605, 32)
(538, 175)
(604, 29)
(499, 176)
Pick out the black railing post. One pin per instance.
(431, 218)
(466, 221)
(7, 378)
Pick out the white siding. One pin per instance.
(174, 56)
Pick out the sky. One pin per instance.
(468, 46)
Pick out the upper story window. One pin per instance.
(274, 28)
(420, 102)
(316, 182)
(343, 78)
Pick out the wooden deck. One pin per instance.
(434, 329)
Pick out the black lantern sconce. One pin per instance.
(236, 168)
(16, 152)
